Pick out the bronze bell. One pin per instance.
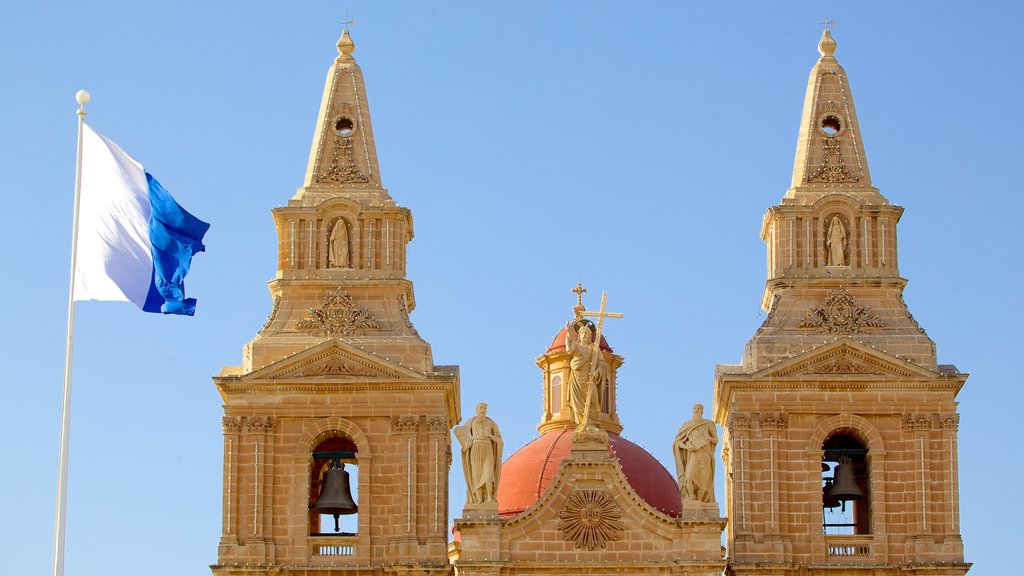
(827, 501)
(335, 494)
(844, 485)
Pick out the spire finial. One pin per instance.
(345, 44)
(579, 291)
(827, 46)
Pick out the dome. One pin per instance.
(528, 473)
(558, 344)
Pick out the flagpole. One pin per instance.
(82, 97)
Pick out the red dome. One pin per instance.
(527, 473)
(558, 344)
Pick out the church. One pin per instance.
(837, 431)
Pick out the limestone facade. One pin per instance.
(338, 372)
(839, 372)
(840, 387)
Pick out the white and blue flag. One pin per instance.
(135, 243)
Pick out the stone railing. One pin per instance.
(333, 545)
(854, 548)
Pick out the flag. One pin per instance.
(135, 243)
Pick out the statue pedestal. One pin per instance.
(481, 511)
(590, 440)
(693, 510)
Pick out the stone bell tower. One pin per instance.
(840, 442)
(338, 376)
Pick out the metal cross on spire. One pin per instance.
(348, 22)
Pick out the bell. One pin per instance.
(826, 500)
(844, 485)
(335, 495)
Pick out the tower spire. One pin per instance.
(343, 157)
(830, 151)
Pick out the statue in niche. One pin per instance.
(694, 450)
(337, 253)
(481, 456)
(835, 242)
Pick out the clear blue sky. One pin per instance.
(635, 146)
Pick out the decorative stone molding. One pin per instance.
(337, 316)
(231, 424)
(950, 422)
(404, 305)
(437, 424)
(915, 422)
(590, 519)
(774, 420)
(844, 366)
(405, 424)
(738, 421)
(271, 316)
(840, 315)
(261, 424)
(335, 366)
(911, 316)
(771, 313)
(343, 164)
(832, 169)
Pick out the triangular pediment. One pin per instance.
(333, 360)
(845, 357)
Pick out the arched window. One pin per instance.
(556, 394)
(845, 485)
(334, 488)
(606, 395)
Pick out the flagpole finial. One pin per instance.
(82, 97)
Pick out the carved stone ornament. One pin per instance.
(832, 169)
(774, 420)
(590, 519)
(271, 316)
(405, 424)
(261, 424)
(915, 422)
(840, 315)
(771, 313)
(949, 422)
(845, 366)
(405, 314)
(338, 316)
(738, 421)
(343, 164)
(231, 424)
(336, 367)
(437, 424)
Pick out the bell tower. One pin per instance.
(840, 442)
(337, 411)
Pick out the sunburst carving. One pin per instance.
(339, 315)
(590, 519)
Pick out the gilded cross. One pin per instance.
(601, 314)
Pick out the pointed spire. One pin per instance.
(343, 156)
(830, 151)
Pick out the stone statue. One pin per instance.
(481, 456)
(588, 372)
(835, 242)
(694, 449)
(337, 254)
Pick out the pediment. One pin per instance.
(333, 360)
(845, 357)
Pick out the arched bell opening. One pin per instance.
(334, 488)
(845, 485)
